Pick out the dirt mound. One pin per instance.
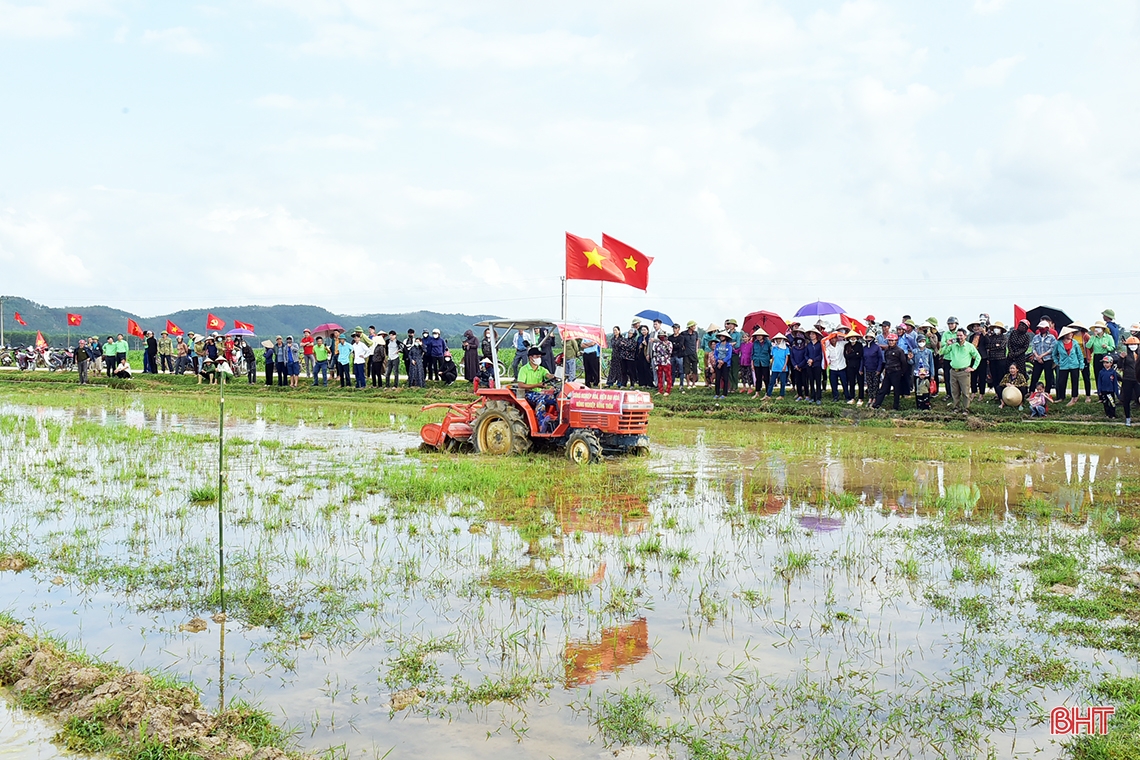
(107, 700)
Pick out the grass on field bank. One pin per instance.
(105, 709)
(371, 406)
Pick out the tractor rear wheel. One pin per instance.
(583, 447)
(500, 429)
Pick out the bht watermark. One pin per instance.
(1064, 721)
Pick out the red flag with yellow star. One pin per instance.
(634, 263)
(586, 260)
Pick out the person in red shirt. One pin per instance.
(307, 351)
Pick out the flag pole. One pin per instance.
(2, 343)
(601, 299)
(563, 299)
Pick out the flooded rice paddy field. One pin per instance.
(746, 591)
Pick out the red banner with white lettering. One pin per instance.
(570, 331)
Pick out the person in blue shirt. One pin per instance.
(1108, 387)
(1110, 322)
(781, 357)
(521, 344)
(722, 365)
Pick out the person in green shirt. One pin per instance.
(964, 359)
(321, 357)
(121, 349)
(533, 374)
(110, 355)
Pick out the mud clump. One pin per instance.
(128, 707)
(17, 563)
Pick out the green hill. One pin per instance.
(268, 321)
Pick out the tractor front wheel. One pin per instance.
(500, 429)
(583, 447)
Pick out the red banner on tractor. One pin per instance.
(570, 331)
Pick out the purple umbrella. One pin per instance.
(240, 331)
(819, 308)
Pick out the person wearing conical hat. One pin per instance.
(760, 359)
(1041, 354)
(1101, 344)
(737, 336)
(1068, 359)
(781, 361)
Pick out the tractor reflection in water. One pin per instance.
(620, 647)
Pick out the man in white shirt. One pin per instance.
(836, 366)
(360, 353)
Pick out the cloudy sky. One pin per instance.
(927, 158)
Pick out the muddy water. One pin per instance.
(752, 588)
(25, 737)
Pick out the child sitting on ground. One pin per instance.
(486, 374)
(1108, 387)
(1039, 401)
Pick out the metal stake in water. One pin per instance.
(221, 488)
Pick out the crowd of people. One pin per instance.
(920, 359)
(1046, 363)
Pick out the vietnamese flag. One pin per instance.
(172, 329)
(40, 342)
(853, 324)
(134, 329)
(74, 320)
(634, 263)
(1018, 315)
(213, 323)
(586, 260)
(242, 326)
(21, 319)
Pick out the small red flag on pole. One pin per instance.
(40, 342)
(213, 323)
(243, 326)
(134, 329)
(20, 320)
(74, 320)
(172, 328)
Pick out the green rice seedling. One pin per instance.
(203, 494)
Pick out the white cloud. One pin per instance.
(34, 246)
(48, 18)
(986, 7)
(993, 75)
(177, 39)
(490, 272)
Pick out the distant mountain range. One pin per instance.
(268, 321)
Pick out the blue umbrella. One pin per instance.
(819, 308)
(651, 314)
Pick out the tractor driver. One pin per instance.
(532, 377)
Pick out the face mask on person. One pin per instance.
(1098, 331)
(1133, 348)
(535, 360)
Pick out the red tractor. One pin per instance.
(585, 422)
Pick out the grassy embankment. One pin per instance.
(1085, 418)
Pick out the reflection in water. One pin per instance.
(820, 523)
(620, 647)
